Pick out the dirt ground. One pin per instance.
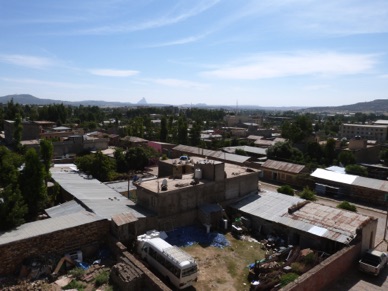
(225, 269)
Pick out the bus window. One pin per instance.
(189, 271)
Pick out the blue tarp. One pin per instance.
(189, 235)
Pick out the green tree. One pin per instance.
(103, 167)
(297, 130)
(286, 189)
(32, 184)
(46, 153)
(182, 131)
(12, 207)
(18, 131)
(163, 129)
(137, 158)
(121, 163)
(346, 158)
(329, 151)
(285, 152)
(195, 134)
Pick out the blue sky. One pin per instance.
(264, 53)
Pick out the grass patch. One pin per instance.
(77, 272)
(288, 278)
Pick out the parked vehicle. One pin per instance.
(174, 264)
(373, 262)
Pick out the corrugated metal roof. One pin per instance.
(375, 184)
(283, 166)
(247, 149)
(46, 226)
(328, 222)
(267, 205)
(333, 176)
(95, 195)
(64, 209)
(124, 218)
(212, 154)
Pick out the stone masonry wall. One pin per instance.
(57, 243)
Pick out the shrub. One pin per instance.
(77, 272)
(286, 189)
(308, 194)
(102, 278)
(347, 206)
(298, 267)
(288, 278)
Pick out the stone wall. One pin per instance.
(327, 272)
(85, 237)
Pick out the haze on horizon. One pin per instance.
(264, 53)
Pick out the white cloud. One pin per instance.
(46, 83)
(113, 72)
(27, 61)
(295, 64)
(180, 83)
(172, 17)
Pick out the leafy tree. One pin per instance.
(329, 151)
(356, 170)
(18, 131)
(9, 163)
(137, 158)
(98, 165)
(163, 129)
(285, 152)
(314, 151)
(182, 130)
(121, 163)
(308, 194)
(46, 153)
(346, 158)
(195, 133)
(32, 184)
(298, 130)
(286, 189)
(12, 207)
(347, 206)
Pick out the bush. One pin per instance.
(286, 189)
(288, 278)
(74, 285)
(308, 194)
(77, 272)
(298, 267)
(347, 206)
(102, 278)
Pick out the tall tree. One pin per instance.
(17, 132)
(182, 130)
(32, 184)
(195, 133)
(12, 207)
(163, 129)
(46, 153)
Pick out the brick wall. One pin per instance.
(85, 237)
(327, 272)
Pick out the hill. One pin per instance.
(376, 106)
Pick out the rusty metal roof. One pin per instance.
(319, 220)
(212, 154)
(283, 166)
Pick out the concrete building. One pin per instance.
(365, 131)
(209, 182)
(307, 224)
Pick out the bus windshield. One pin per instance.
(189, 271)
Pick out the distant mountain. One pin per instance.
(378, 105)
(142, 101)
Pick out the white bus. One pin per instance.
(174, 264)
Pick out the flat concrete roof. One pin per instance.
(231, 171)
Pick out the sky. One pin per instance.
(217, 52)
